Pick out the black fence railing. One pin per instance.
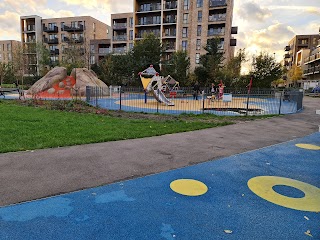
(231, 102)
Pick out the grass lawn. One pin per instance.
(24, 127)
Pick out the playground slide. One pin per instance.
(162, 98)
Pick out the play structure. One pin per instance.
(152, 82)
(57, 84)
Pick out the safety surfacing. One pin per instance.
(270, 193)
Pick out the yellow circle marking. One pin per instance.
(262, 186)
(188, 187)
(308, 146)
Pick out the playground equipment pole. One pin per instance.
(145, 96)
(249, 89)
(120, 96)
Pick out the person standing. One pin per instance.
(196, 90)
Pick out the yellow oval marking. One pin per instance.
(263, 187)
(308, 146)
(188, 187)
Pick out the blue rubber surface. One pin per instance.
(146, 208)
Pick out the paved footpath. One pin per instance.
(269, 193)
(37, 174)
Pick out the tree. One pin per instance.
(295, 74)
(74, 56)
(145, 52)
(265, 70)
(6, 73)
(211, 62)
(231, 72)
(178, 67)
(43, 57)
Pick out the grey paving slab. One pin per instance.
(36, 174)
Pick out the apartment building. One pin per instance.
(312, 67)
(99, 48)
(122, 32)
(59, 34)
(7, 50)
(296, 44)
(186, 25)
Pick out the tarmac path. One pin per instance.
(37, 174)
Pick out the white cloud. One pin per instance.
(10, 26)
(253, 12)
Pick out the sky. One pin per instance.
(263, 25)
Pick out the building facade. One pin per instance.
(180, 25)
(59, 35)
(186, 25)
(122, 32)
(99, 48)
(312, 68)
(296, 44)
(7, 50)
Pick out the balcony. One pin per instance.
(217, 3)
(287, 55)
(104, 50)
(233, 42)
(148, 7)
(217, 18)
(54, 51)
(30, 28)
(312, 58)
(287, 48)
(308, 71)
(78, 28)
(77, 40)
(214, 32)
(317, 69)
(170, 5)
(120, 50)
(148, 21)
(120, 38)
(65, 39)
(53, 29)
(51, 40)
(120, 26)
(169, 20)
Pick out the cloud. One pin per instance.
(50, 13)
(10, 26)
(21, 6)
(106, 5)
(253, 12)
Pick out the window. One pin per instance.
(199, 3)
(198, 46)
(8, 46)
(62, 26)
(185, 17)
(197, 58)
(92, 59)
(92, 48)
(130, 46)
(199, 30)
(0, 57)
(184, 45)
(94, 26)
(131, 22)
(131, 35)
(186, 5)
(199, 16)
(9, 57)
(304, 41)
(185, 32)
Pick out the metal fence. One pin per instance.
(233, 102)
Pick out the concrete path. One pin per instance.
(36, 174)
(269, 193)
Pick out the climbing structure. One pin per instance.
(152, 82)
